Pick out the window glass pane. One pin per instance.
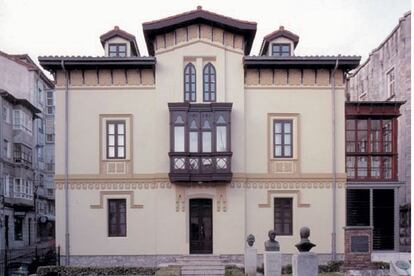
(288, 139)
(179, 139)
(387, 167)
(278, 127)
(278, 151)
(287, 128)
(121, 152)
(285, 48)
(121, 140)
(288, 151)
(111, 129)
(221, 120)
(193, 141)
(111, 151)
(350, 124)
(362, 166)
(375, 166)
(206, 124)
(111, 140)
(221, 138)
(193, 97)
(278, 139)
(121, 128)
(350, 166)
(206, 141)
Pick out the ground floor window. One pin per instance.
(18, 228)
(373, 207)
(117, 218)
(283, 216)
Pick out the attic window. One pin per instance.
(117, 50)
(280, 50)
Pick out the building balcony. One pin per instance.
(200, 167)
(200, 142)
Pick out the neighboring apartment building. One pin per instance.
(386, 76)
(191, 149)
(27, 187)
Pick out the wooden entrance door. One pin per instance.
(201, 226)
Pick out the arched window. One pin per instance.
(209, 83)
(189, 83)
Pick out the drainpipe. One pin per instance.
(67, 235)
(334, 162)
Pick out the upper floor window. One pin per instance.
(21, 120)
(117, 50)
(6, 114)
(22, 154)
(115, 139)
(280, 50)
(209, 83)
(189, 83)
(391, 82)
(282, 138)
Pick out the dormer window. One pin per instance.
(117, 50)
(281, 50)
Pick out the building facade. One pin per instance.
(27, 187)
(386, 76)
(189, 150)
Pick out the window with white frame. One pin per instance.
(391, 82)
(50, 109)
(23, 188)
(22, 120)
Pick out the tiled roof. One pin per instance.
(56, 62)
(344, 62)
(9, 97)
(116, 31)
(281, 32)
(245, 28)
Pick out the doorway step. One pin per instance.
(199, 264)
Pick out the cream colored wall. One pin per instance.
(281, 40)
(315, 132)
(117, 40)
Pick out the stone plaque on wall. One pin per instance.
(360, 244)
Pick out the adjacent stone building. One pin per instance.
(189, 150)
(386, 76)
(27, 155)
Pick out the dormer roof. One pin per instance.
(281, 32)
(245, 28)
(117, 32)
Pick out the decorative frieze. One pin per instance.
(291, 77)
(201, 32)
(103, 194)
(107, 77)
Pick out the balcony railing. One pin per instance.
(200, 167)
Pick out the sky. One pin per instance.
(325, 27)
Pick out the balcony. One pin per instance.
(200, 144)
(200, 167)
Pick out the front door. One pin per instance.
(201, 226)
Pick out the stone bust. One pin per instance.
(272, 244)
(304, 245)
(250, 240)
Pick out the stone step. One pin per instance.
(203, 272)
(202, 267)
(198, 262)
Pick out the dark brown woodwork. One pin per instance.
(201, 226)
(199, 166)
(117, 218)
(283, 216)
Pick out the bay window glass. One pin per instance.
(189, 83)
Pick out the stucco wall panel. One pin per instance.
(206, 32)
(218, 35)
(252, 77)
(133, 76)
(280, 76)
(308, 77)
(105, 77)
(91, 77)
(181, 34)
(322, 77)
(76, 77)
(119, 77)
(295, 77)
(193, 32)
(266, 76)
(147, 76)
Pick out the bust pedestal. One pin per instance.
(305, 264)
(272, 263)
(250, 261)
